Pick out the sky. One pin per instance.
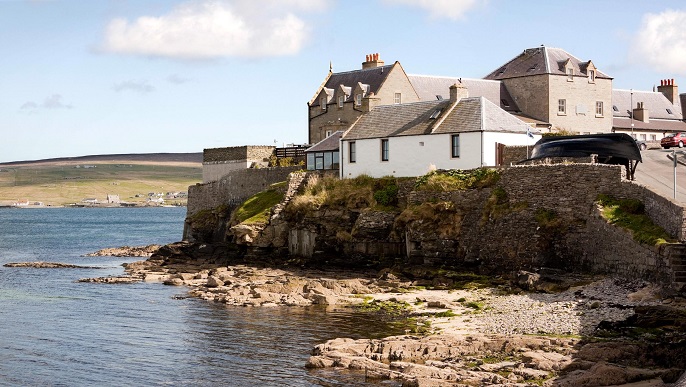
(145, 76)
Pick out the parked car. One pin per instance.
(674, 139)
(641, 144)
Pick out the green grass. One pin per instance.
(59, 184)
(630, 214)
(258, 208)
(456, 179)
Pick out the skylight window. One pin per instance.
(501, 71)
(504, 103)
(669, 111)
(614, 108)
(439, 97)
(435, 114)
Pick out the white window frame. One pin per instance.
(358, 99)
(599, 109)
(562, 107)
(328, 133)
(591, 76)
(322, 102)
(341, 101)
(570, 75)
(398, 98)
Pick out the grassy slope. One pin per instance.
(60, 182)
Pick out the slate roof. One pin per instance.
(541, 60)
(328, 144)
(373, 77)
(428, 87)
(469, 115)
(655, 102)
(658, 125)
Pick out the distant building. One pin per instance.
(113, 199)
(217, 162)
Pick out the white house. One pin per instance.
(412, 139)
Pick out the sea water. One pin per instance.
(55, 331)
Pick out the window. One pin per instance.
(591, 76)
(352, 152)
(653, 137)
(435, 114)
(455, 145)
(341, 100)
(358, 99)
(328, 133)
(643, 136)
(504, 103)
(598, 108)
(669, 111)
(397, 99)
(322, 102)
(570, 75)
(614, 108)
(310, 161)
(561, 106)
(384, 150)
(319, 160)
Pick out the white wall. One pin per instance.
(491, 138)
(408, 157)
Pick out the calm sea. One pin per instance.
(58, 332)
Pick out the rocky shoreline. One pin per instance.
(579, 335)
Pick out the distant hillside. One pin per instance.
(132, 157)
(69, 180)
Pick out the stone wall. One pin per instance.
(247, 152)
(234, 188)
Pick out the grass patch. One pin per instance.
(474, 305)
(258, 208)
(390, 307)
(498, 205)
(456, 179)
(630, 215)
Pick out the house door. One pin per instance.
(499, 150)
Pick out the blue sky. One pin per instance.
(140, 76)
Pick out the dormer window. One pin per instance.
(322, 102)
(358, 99)
(435, 114)
(397, 99)
(570, 75)
(341, 100)
(591, 76)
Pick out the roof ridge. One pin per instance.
(451, 77)
(361, 70)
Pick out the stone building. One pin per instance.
(217, 162)
(339, 100)
(553, 86)
(649, 115)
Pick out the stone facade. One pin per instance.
(336, 118)
(218, 162)
(538, 96)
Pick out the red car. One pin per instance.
(674, 139)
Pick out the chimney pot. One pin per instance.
(662, 83)
(672, 82)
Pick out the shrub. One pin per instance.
(456, 179)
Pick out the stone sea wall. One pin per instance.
(535, 216)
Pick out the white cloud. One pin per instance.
(138, 86)
(208, 29)
(451, 9)
(661, 42)
(51, 102)
(177, 79)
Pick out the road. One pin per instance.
(657, 173)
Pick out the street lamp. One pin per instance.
(631, 113)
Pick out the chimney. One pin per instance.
(370, 102)
(458, 91)
(641, 113)
(372, 61)
(669, 88)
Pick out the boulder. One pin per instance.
(213, 282)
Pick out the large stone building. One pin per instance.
(554, 86)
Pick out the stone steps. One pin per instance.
(678, 264)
